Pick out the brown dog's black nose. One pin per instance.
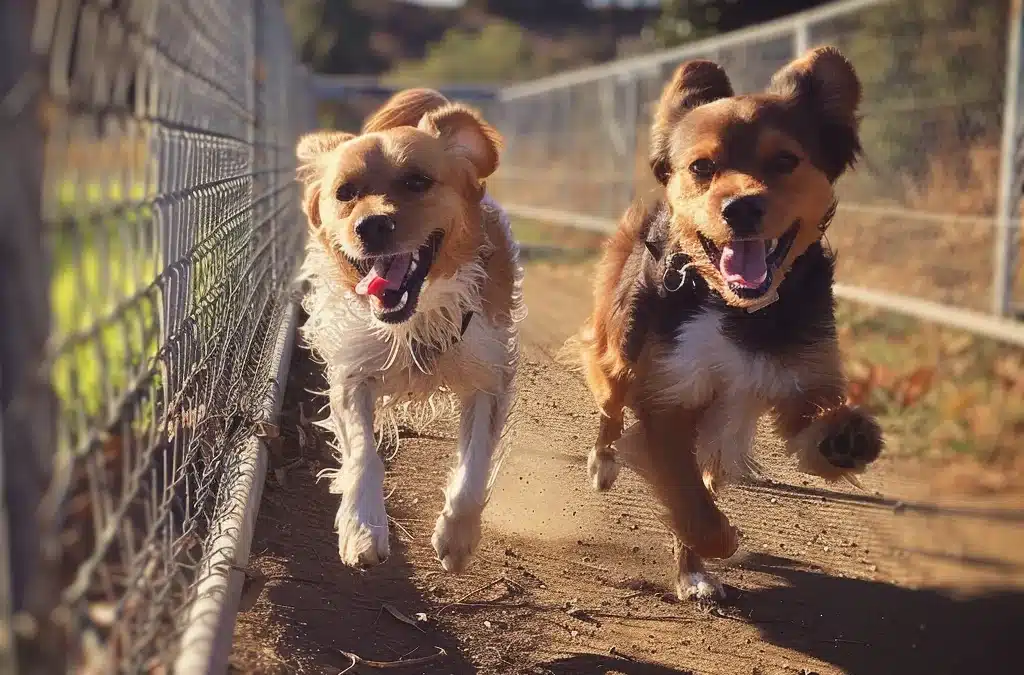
(375, 232)
(744, 214)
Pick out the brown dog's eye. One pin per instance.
(703, 169)
(417, 182)
(785, 162)
(346, 192)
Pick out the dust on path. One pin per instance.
(827, 580)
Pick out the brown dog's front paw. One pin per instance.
(852, 441)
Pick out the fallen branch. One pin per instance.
(388, 665)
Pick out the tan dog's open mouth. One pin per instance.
(393, 282)
(748, 266)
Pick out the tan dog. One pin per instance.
(717, 306)
(415, 292)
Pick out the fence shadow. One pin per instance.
(867, 627)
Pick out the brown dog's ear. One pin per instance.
(693, 84)
(825, 82)
(310, 152)
(467, 135)
(404, 109)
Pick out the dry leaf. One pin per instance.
(254, 583)
(915, 386)
(985, 421)
(1010, 372)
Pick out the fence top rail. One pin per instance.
(337, 87)
(691, 49)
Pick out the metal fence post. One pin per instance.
(631, 122)
(27, 407)
(801, 38)
(1009, 190)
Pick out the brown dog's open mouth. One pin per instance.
(393, 282)
(748, 266)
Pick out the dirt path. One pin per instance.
(569, 581)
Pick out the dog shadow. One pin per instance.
(868, 627)
(589, 664)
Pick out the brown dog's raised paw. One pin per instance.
(853, 440)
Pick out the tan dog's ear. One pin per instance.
(693, 84)
(405, 109)
(825, 82)
(313, 146)
(310, 152)
(467, 135)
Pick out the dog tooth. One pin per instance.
(416, 255)
(412, 265)
(405, 297)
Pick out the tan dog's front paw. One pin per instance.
(455, 538)
(699, 586)
(362, 534)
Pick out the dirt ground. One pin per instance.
(917, 574)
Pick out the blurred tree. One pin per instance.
(932, 74)
(332, 36)
(532, 11)
(500, 52)
(683, 21)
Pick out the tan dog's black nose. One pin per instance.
(744, 214)
(375, 232)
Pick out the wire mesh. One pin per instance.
(169, 212)
(922, 207)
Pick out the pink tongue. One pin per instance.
(374, 283)
(743, 263)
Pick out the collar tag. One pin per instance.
(770, 300)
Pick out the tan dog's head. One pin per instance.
(399, 204)
(749, 179)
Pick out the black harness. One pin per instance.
(422, 351)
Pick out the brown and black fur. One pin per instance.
(786, 147)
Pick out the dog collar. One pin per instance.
(425, 352)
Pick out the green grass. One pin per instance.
(101, 269)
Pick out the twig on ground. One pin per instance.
(509, 583)
(388, 665)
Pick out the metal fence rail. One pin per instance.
(930, 218)
(150, 231)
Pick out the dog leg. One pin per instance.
(457, 531)
(661, 446)
(693, 581)
(830, 439)
(602, 466)
(361, 521)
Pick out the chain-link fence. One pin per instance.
(150, 231)
(930, 213)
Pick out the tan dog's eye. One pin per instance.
(703, 169)
(784, 162)
(417, 182)
(346, 192)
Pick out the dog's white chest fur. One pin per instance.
(703, 364)
(705, 369)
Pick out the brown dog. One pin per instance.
(716, 307)
(415, 290)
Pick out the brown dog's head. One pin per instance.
(749, 179)
(400, 204)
